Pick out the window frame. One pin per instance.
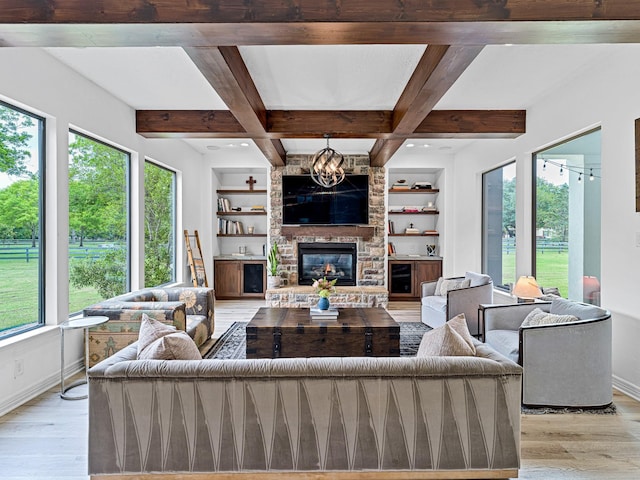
(42, 143)
(174, 218)
(483, 250)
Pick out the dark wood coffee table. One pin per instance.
(290, 332)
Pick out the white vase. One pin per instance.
(273, 281)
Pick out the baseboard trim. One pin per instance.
(38, 388)
(627, 388)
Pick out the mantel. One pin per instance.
(364, 231)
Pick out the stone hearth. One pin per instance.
(345, 297)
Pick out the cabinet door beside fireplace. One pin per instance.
(405, 277)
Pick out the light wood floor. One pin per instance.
(47, 437)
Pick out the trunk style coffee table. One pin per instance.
(290, 332)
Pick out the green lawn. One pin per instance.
(19, 294)
(552, 270)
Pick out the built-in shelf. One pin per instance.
(241, 192)
(363, 231)
(413, 190)
(430, 212)
(225, 214)
(242, 235)
(413, 234)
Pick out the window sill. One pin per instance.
(26, 336)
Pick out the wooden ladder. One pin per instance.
(196, 263)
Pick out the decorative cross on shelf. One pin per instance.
(251, 181)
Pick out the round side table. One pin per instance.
(86, 323)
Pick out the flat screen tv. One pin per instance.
(307, 203)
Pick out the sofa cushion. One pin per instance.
(445, 341)
(459, 324)
(175, 346)
(505, 342)
(452, 284)
(562, 306)
(157, 341)
(477, 279)
(435, 302)
(151, 330)
(538, 317)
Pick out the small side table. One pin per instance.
(86, 323)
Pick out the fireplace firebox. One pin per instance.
(331, 260)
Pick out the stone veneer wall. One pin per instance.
(370, 252)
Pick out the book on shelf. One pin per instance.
(430, 232)
(391, 227)
(391, 248)
(411, 230)
(421, 185)
(257, 208)
(400, 185)
(409, 209)
(224, 205)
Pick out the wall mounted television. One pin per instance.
(307, 203)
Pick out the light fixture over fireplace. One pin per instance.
(327, 170)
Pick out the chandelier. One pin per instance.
(326, 170)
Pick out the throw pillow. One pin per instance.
(444, 341)
(538, 317)
(459, 324)
(438, 286)
(175, 346)
(453, 284)
(151, 330)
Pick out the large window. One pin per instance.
(567, 217)
(159, 225)
(98, 221)
(499, 225)
(21, 220)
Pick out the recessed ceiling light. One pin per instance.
(244, 144)
(213, 147)
(231, 145)
(426, 145)
(410, 145)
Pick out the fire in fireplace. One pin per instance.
(331, 260)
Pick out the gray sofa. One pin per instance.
(437, 309)
(565, 364)
(303, 416)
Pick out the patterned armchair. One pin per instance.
(186, 308)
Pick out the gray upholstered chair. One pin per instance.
(565, 364)
(437, 309)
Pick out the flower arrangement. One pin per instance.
(324, 287)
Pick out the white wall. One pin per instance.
(602, 96)
(39, 83)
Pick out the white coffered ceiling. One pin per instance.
(332, 77)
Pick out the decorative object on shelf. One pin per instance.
(250, 230)
(423, 185)
(274, 280)
(400, 185)
(431, 250)
(526, 289)
(251, 181)
(324, 288)
(411, 230)
(327, 166)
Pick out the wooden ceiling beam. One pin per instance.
(225, 70)
(274, 11)
(438, 69)
(339, 124)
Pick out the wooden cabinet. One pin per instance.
(405, 277)
(239, 278)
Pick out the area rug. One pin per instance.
(608, 410)
(232, 344)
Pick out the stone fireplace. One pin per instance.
(335, 261)
(368, 287)
(369, 257)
